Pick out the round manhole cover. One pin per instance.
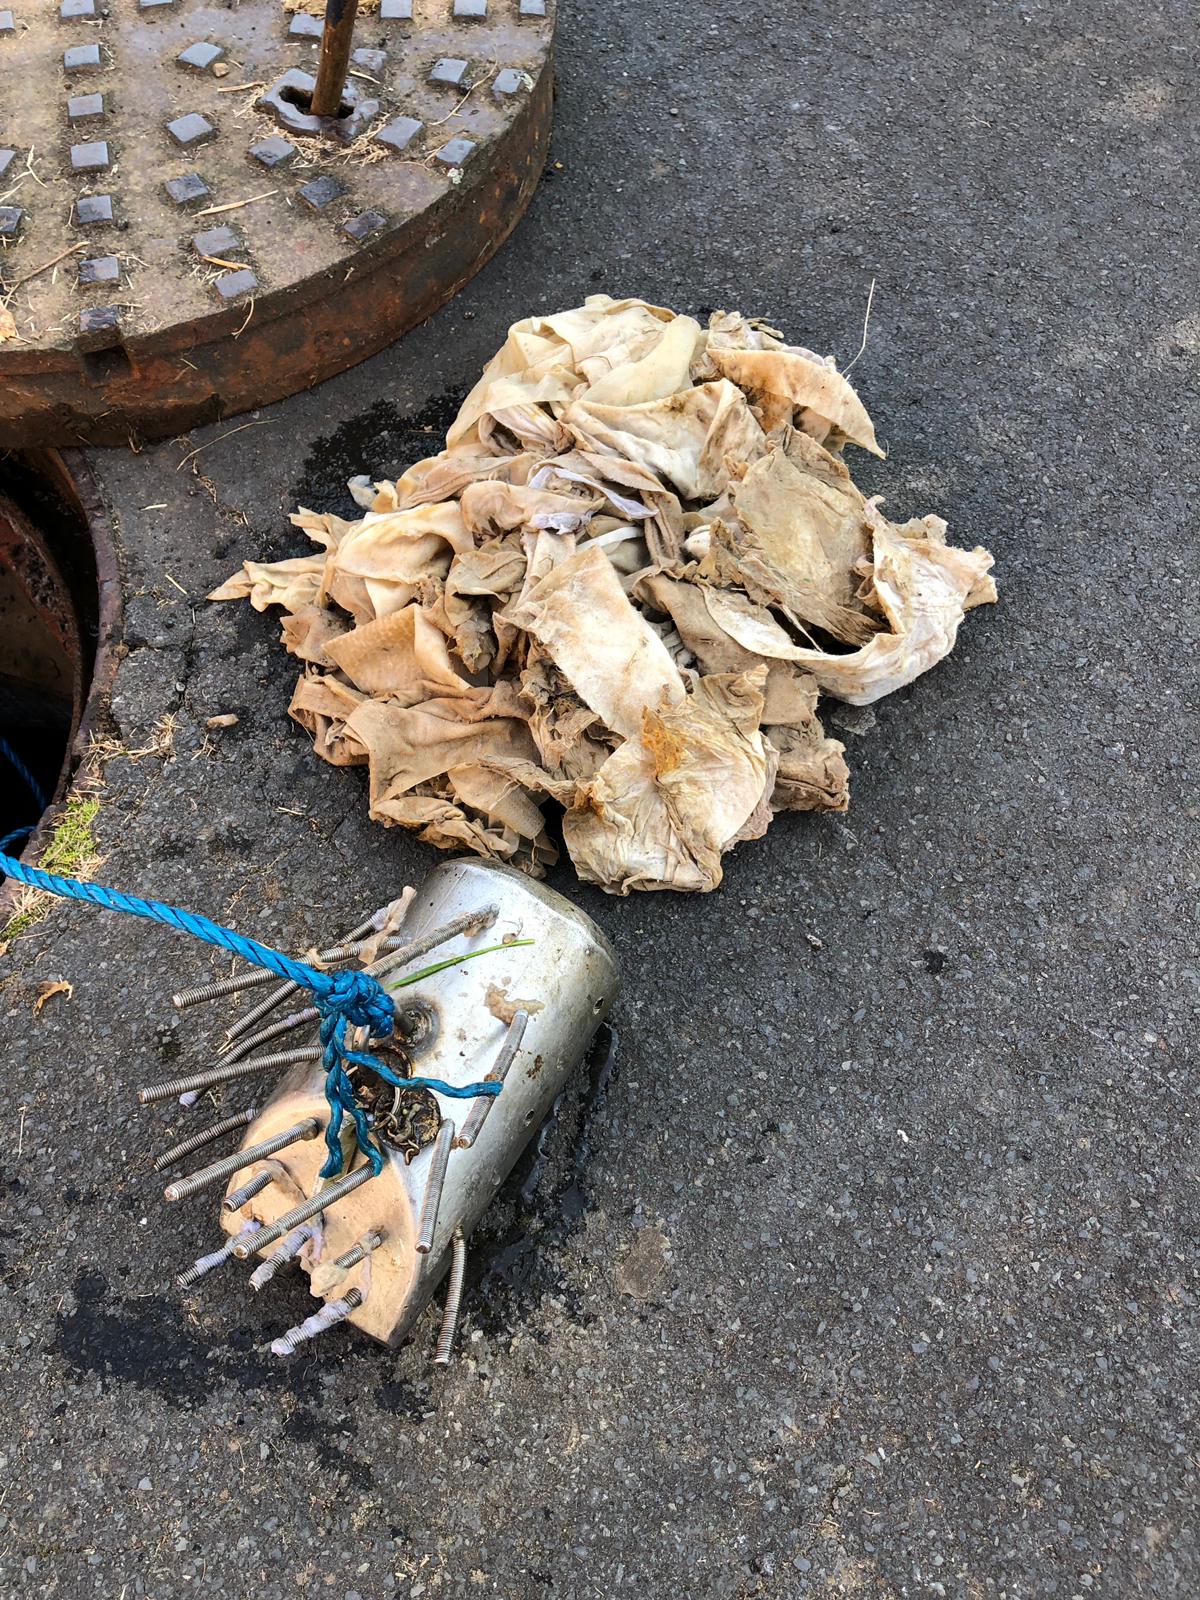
(176, 245)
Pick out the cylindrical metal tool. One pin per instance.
(564, 983)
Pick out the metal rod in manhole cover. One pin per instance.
(335, 57)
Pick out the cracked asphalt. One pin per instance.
(868, 1267)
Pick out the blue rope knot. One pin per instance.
(361, 999)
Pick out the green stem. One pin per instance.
(453, 961)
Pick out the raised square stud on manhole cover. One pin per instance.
(449, 70)
(80, 107)
(77, 8)
(360, 228)
(232, 284)
(456, 152)
(191, 129)
(6, 160)
(89, 157)
(305, 27)
(533, 8)
(93, 208)
(273, 152)
(200, 56)
(188, 190)
(80, 57)
(216, 242)
(372, 61)
(99, 319)
(464, 9)
(101, 269)
(10, 221)
(321, 192)
(508, 81)
(400, 133)
(395, 10)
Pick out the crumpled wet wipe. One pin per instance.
(623, 587)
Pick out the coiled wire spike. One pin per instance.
(402, 954)
(454, 1288)
(235, 1050)
(358, 1252)
(278, 996)
(326, 1274)
(205, 1264)
(259, 976)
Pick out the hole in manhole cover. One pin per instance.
(58, 599)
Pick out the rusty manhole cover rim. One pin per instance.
(209, 258)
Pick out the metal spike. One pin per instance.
(329, 1316)
(183, 1188)
(402, 954)
(237, 1198)
(288, 1251)
(432, 1198)
(326, 1274)
(197, 1141)
(295, 1019)
(202, 1265)
(328, 1196)
(225, 1074)
(221, 988)
(358, 1252)
(454, 1288)
(509, 1046)
(262, 1009)
(278, 996)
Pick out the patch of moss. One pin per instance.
(71, 853)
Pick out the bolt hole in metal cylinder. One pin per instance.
(469, 1036)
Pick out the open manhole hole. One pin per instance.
(58, 604)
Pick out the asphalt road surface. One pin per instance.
(869, 1269)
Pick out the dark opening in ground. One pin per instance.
(48, 630)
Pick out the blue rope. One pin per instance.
(23, 772)
(344, 999)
